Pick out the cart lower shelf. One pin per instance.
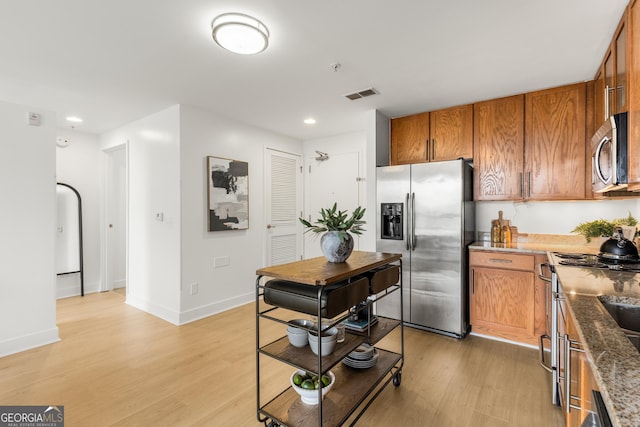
(352, 387)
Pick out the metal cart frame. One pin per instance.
(359, 394)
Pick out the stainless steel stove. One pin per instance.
(592, 261)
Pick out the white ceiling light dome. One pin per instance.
(240, 33)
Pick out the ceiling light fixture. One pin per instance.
(310, 121)
(240, 33)
(74, 119)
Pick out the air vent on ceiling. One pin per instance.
(362, 94)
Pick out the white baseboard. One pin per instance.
(65, 289)
(27, 342)
(201, 312)
(157, 310)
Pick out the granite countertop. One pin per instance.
(615, 361)
(533, 247)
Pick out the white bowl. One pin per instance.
(298, 337)
(310, 397)
(330, 334)
(327, 345)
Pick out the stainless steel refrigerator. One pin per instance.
(426, 212)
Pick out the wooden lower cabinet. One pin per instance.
(582, 380)
(506, 298)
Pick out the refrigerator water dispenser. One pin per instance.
(392, 220)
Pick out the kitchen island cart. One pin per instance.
(331, 292)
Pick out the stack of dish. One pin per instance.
(363, 357)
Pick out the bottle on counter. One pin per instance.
(505, 235)
(495, 231)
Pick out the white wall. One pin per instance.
(206, 134)
(372, 144)
(80, 165)
(154, 187)
(553, 217)
(353, 143)
(27, 248)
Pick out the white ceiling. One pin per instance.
(115, 61)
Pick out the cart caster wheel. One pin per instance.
(271, 424)
(397, 379)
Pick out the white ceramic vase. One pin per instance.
(335, 250)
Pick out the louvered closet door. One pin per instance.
(283, 200)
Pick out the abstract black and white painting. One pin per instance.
(228, 193)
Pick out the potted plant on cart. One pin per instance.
(337, 242)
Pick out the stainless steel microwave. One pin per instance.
(609, 155)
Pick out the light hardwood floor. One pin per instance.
(119, 366)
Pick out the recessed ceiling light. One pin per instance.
(74, 119)
(240, 33)
(310, 121)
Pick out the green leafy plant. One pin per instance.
(602, 227)
(333, 219)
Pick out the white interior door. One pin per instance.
(283, 207)
(116, 271)
(330, 181)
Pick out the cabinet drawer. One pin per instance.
(503, 260)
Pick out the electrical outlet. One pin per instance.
(194, 288)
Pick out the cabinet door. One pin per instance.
(621, 68)
(501, 303)
(498, 148)
(452, 133)
(633, 62)
(609, 85)
(598, 99)
(555, 143)
(409, 137)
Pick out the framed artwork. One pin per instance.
(228, 194)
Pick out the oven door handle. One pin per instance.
(546, 367)
(541, 274)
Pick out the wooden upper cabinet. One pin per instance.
(432, 136)
(555, 143)
(409, 137)
(633, 76)
(452, 133)
(621, 68)
(614, 74)
(598, 99)
(609, 85)
(498, 148)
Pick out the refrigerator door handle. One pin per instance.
(413, 222)
(408, 219)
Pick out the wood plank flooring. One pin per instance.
(119, 366)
